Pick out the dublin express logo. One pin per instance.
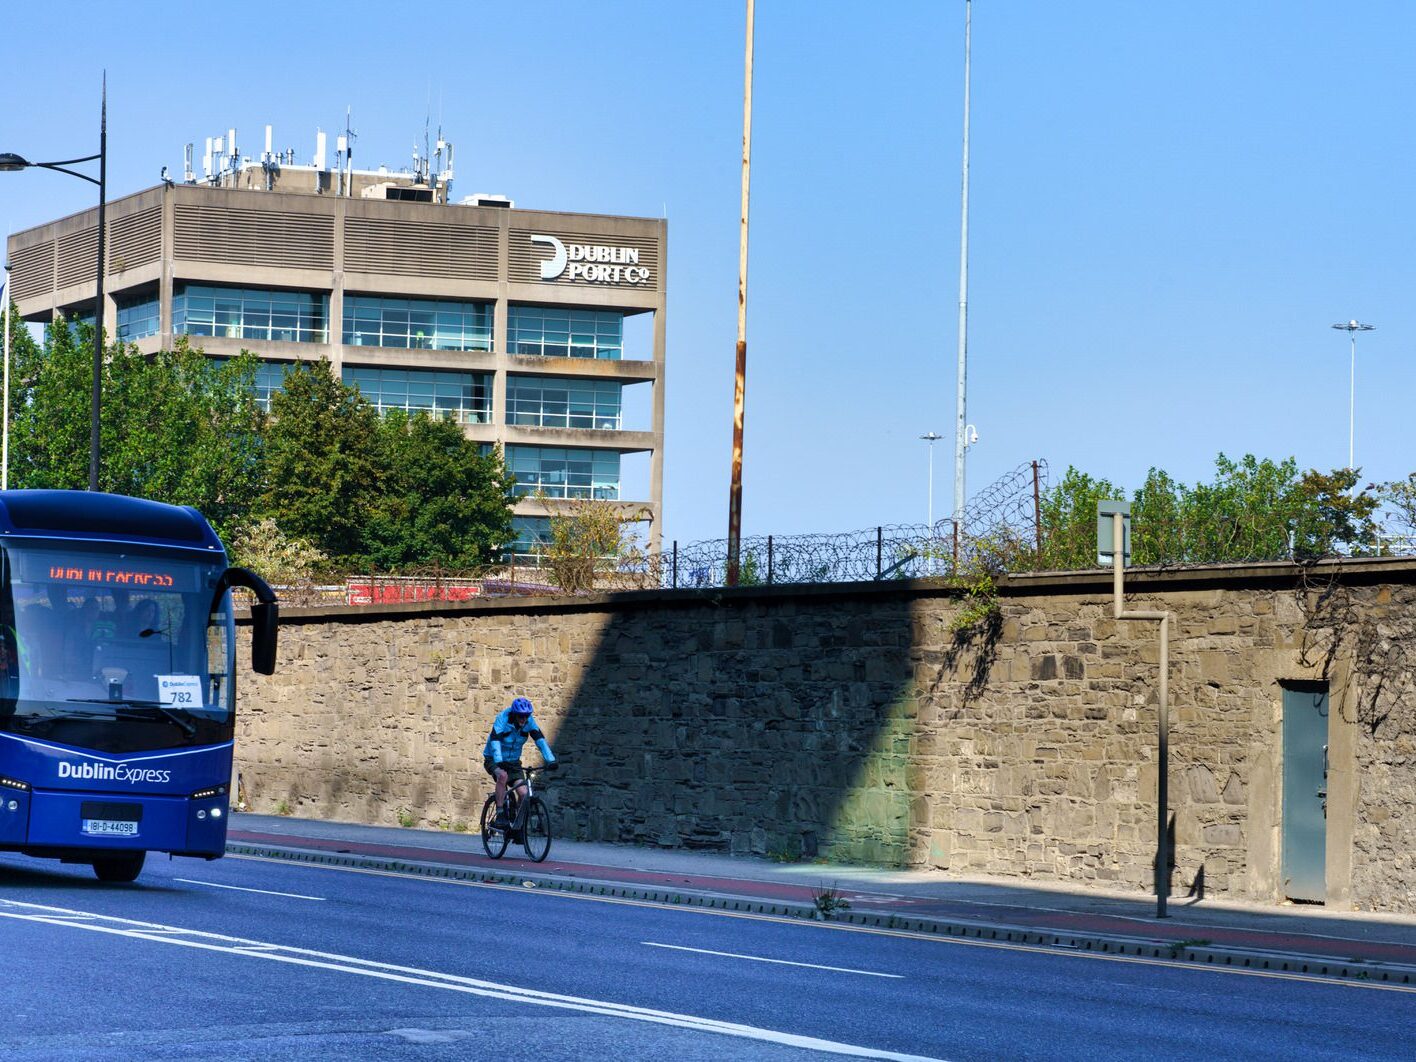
(104, 772)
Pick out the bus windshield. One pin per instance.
(114, 648)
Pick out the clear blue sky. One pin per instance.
(1171, 204)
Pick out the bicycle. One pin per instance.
(530, 822)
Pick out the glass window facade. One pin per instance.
(461, 396)
(564, 333)
(565, 473)
(551, 402)
(138, 316)
(423, 324)
(251, 313)
(532, 533)
(270, 377)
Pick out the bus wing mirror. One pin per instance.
(264, 627)
(265, 616)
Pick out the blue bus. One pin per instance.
(117, 678)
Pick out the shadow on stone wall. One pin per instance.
(750, 727)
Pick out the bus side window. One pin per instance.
(218, 665)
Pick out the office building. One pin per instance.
(540, 331)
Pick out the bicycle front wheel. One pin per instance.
(537, 839)
(494, 841)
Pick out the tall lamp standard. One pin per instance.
(961, 397)
(5, 423)
(931, 438)
(9, 162)
(1352, 328)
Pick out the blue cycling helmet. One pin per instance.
(520, 706)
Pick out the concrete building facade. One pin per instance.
(509, 321)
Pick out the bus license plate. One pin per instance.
(110, 828)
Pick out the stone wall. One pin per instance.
(853, 722)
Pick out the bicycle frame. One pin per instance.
(522, 792)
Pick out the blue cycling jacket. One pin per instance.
(504, 744)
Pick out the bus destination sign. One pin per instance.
(157, 580)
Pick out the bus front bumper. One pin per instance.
(56, 819)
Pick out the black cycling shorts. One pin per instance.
(514, 771)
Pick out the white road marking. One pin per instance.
(780, 962)
(191, 938)
(840, 927)
(238, 888)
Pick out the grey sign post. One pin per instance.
(1113, 544)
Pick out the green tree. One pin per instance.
(1068, 513)
(175, 426)
(1399, 496)
(1331, 517)
(281, 559)
(183, 428)
(323, 470)
(589, 540)
(1253, 509)
(1246, 513)
(1157, 528)
(50, 387)
(443, 501)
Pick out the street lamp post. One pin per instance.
(9, 162)
(1352, 327)
(5, 424)
(961, 382)
(931, 438)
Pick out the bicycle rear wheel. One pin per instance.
(537, 838)
(494, 841)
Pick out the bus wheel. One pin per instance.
(119, 868)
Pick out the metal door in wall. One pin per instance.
(1305, 736)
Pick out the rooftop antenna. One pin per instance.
(427, 121)
(268, 161)
(321, 142)
(349, 137)
(188, 177)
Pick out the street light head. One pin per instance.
(10, 162)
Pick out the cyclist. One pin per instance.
(501, 758)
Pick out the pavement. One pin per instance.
(1295, 939)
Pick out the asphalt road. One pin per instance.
(186, 964)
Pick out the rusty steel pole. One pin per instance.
(1037, 512)
(740, 377)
